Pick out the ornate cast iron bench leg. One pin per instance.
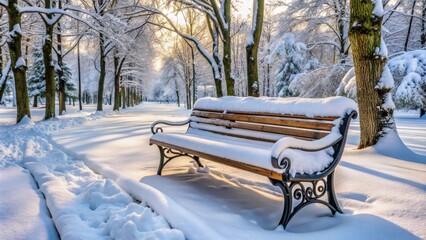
(167, 154)
(306, 193)
(161, 165)
(332, 200)
(285, 217)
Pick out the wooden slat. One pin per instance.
(259, 137)
(229, 162)
(325, 118)
(262, 128)
(291, 122)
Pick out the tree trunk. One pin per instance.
(131, 97)
(103, 71)
(3, 84)
(194, 78)
(188, 95)
(422, 112)
(49, 71)
(2, 89)
(409, 27)
(252, 48)
(120, 96)
(35, 101)
(116, 85)
(80, 104)
(62, 93)
(128, 97)
(341, 20)
(19, 72)
(123, 94)
(227, 52)
(365, 37)
(423, 25)
(217, 76)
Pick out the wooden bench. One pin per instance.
(296, 143)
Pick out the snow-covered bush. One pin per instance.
(409, 71)
(409, 74)
(292, 59)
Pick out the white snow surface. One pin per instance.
(23, 211)
(83, 204)
(332, 106)
(380, 189)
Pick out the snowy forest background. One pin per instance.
(183, 50)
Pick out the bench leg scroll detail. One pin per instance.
(298, 195)
(168, 154)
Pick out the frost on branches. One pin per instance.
(292, 58)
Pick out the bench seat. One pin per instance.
(251, 152)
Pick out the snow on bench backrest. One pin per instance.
(310, 107)
(269, 119)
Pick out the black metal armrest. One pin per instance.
(280, 161)
(155, 129)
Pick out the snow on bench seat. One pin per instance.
(256, 153)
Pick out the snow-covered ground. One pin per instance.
(382, 190)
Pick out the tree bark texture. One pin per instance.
(2, 89)
(194, 78)
(214, 31)
(252, 49)
(3, 84)
(49, 71)
(62, 93)
(123, 95)
(116, 85)
(423, 25)
(227, 52)
(80, 104)
(102, 65)
(19, 72)
(365, 37)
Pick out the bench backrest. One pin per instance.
(240, 117)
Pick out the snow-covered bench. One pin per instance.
(295, 142)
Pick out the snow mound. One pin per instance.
(332, 106)
(391, 145)
(26, 121)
